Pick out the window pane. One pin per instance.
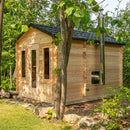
(34, 68)
(95, 76)
(23, 63)
(46, 63)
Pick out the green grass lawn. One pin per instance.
(15, 117)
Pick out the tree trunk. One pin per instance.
(66, 38)
(10, 74)
(70, 27)
(57, 96)
(63, 62)
(1, 22)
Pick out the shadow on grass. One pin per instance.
(67, 128)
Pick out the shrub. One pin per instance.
(6, 84)
(113, 107)
(51, 114)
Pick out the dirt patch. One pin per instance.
(84, 109)
(87, 109)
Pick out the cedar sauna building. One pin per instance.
(36, 59)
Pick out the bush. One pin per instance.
(113, 107)
(6, 84)
(51, 114)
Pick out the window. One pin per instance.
(23, 64)
(95, 76)
(33, 68)
(46, 63)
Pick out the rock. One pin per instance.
(13, 94)
(5, 93)
(71, 118)
(102, 128)
(14, 97)
(27, 105)
(36, 110)
(86, 122)
(128, 107)
(41, 110)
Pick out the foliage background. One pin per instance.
(20, 13)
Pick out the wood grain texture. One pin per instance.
(75, 72)
(84, 59)
(34, 40)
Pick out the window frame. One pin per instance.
(23, 75)
(43, 50)
(97, 77)
(32, 69)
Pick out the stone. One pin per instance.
(86, 122)
(14, 97)
(128, 107)
(71, 118)
(102, 128)
(27, 105)
(13, 94)
(42, 110)
(5, 93)
(36, 110)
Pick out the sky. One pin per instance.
(112, 4)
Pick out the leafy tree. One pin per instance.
(72, 13)
(17, 15)
(119, 28)
(1, 22)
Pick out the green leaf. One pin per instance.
(118, 39)
(76, 21)
(69, 11)
(89, 1)
(57, 70)
(58, 35)
(54, 115)
(24, 28)
(62, 3)
(97, 34)
(114, 22)
(86, 18)
(107, 30)
(102, 29)
(56, 42)
(48, 117)
(78, 14)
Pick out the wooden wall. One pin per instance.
(34, 40)
(87, 59)
(83, 60)
(75, 72)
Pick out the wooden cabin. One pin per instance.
(36, 59)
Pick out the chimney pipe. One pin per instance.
(102, 53)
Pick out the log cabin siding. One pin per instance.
(83, 60)
(113, 73)
(34, 40)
